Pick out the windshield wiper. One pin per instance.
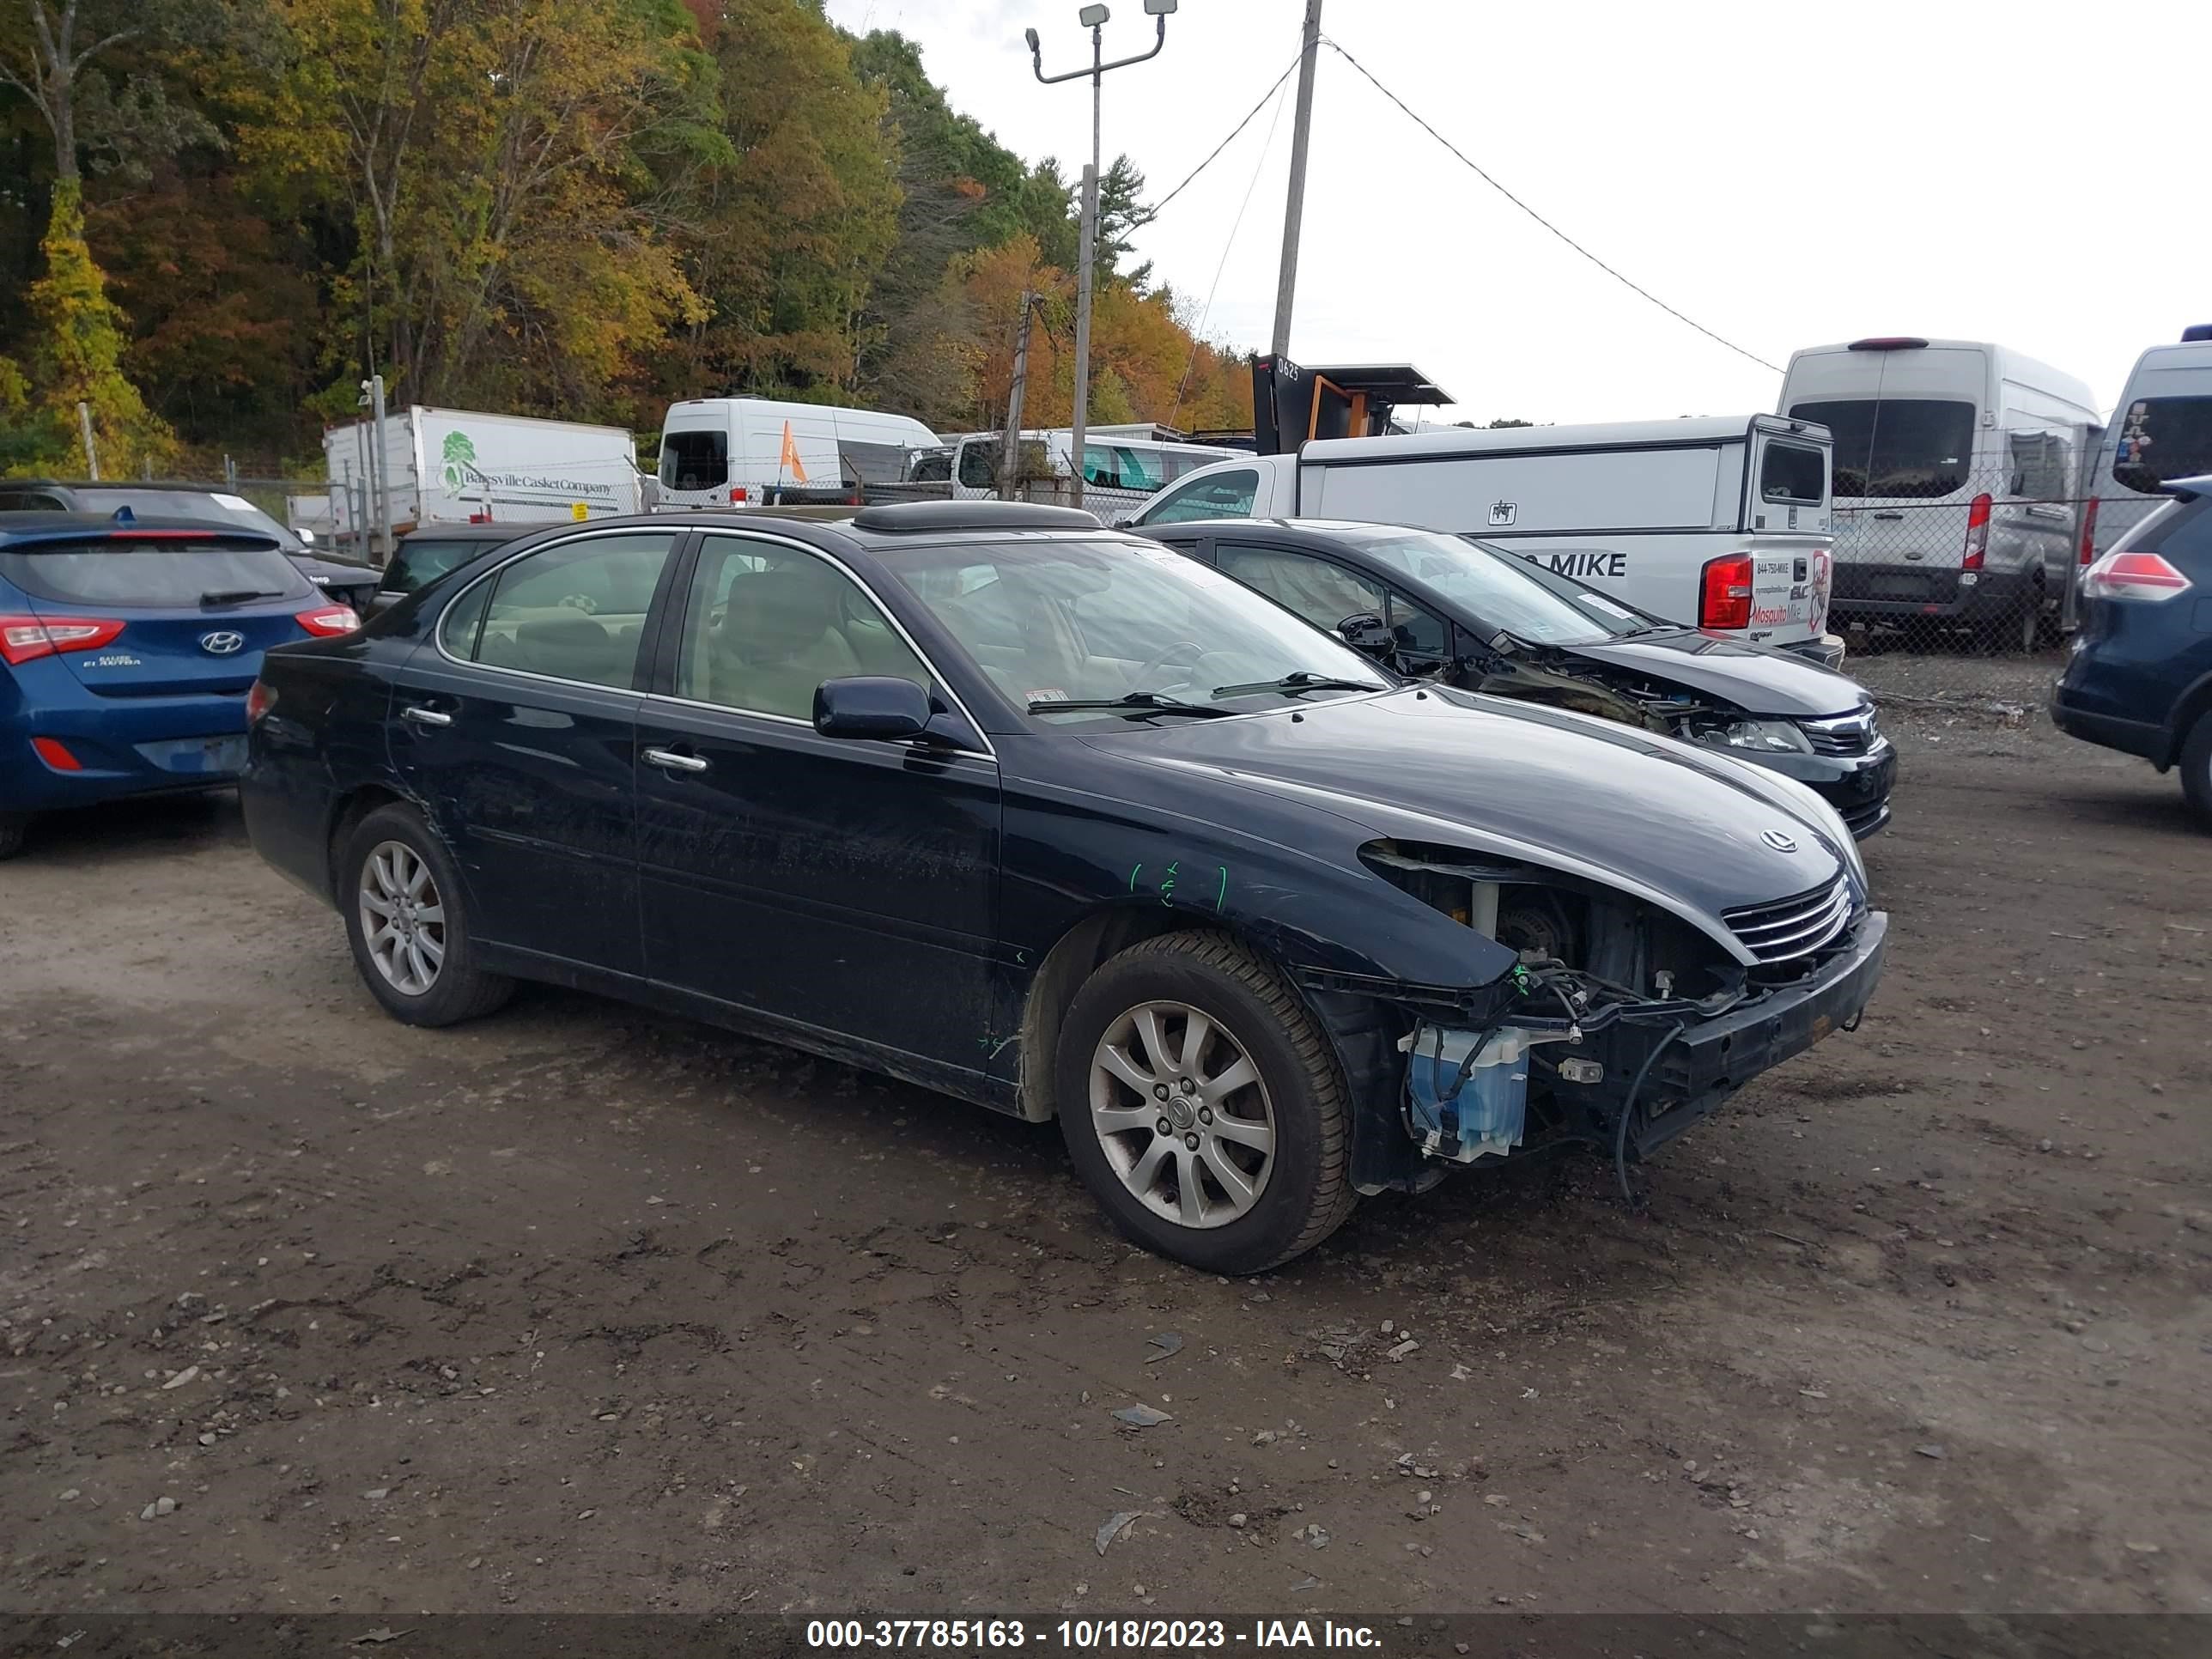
(1297, 679)
(1132, 703)
(240, 595)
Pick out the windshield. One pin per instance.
(208, 507)
(1083, 621)
(1498, 588)
(1914, 448)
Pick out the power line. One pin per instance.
(1474, 169)
(1198, 334)
(1153, 212)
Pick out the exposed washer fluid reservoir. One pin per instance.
(1485, 1113)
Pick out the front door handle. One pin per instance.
(422, 716)
(674, 761)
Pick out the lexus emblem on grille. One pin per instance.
(221, 642)
(1777, 841)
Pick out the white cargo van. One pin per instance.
(2160, 428)
(1956, 467)
(720, 451)
(1721, 523)
(1121, 465)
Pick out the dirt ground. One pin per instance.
(579, 1308)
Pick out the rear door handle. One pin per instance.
(422, 716)
(674, 761)
(1890, 518)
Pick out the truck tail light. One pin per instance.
(2133, 576)
(25, 638)
(1978, 533)
(2089, 533)
(1724, 593)
(329, 622)
(737, 496)
(258, 702)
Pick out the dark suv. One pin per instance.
(2139, 678)
(349, 583)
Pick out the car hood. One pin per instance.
(1756, 678)
(1697, 832)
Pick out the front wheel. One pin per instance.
(401, 897)
(1203, 1107)
(2197, 769)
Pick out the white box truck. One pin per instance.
(461, 466)
(1719, 522)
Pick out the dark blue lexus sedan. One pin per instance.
(1054, 819)
(126, 651)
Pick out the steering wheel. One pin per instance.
(1140, 681)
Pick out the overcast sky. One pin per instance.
(1784, 174)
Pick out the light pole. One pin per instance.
(1094, 19)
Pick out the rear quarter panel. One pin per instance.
(324, 739)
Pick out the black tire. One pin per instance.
(12, 828)
(1307, 1191)
(459, 990)
(2197, 769)
(2018, 631)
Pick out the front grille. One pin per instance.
(1793, 927)
(1841, 734)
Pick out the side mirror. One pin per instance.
(1367, 632)
(306, 535)
(879, 706)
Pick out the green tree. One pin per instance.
(786, 241)
(80, 337)
(65, 65)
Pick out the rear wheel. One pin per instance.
(2197, 767)
(1202, 1105)
(12, 826)
(401, 897)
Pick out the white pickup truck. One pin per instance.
(1720, 522)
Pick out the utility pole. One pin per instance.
(1010, 449)
(1294, 208)
(1094, 19)
(372, 394)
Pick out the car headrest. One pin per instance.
(772, 613)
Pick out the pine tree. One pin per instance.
(80, 334)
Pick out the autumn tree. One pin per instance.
(80, 336)
(494, 158)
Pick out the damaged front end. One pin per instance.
(1618, 1024)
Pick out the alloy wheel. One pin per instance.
(1182, 1115)
(403, 918)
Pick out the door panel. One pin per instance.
(524, 764)
(846, 885)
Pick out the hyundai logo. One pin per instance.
(1777, 841)
(221, 642)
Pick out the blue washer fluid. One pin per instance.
(1492, 1102)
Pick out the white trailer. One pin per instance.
(459, 466)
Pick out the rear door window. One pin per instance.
(155, 571)
(1224, 496)
(694, 460)
(979, 463)
(1791, 474)
(2042, 464)
(575, 610)
(2161, 439)
(1902, 448)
